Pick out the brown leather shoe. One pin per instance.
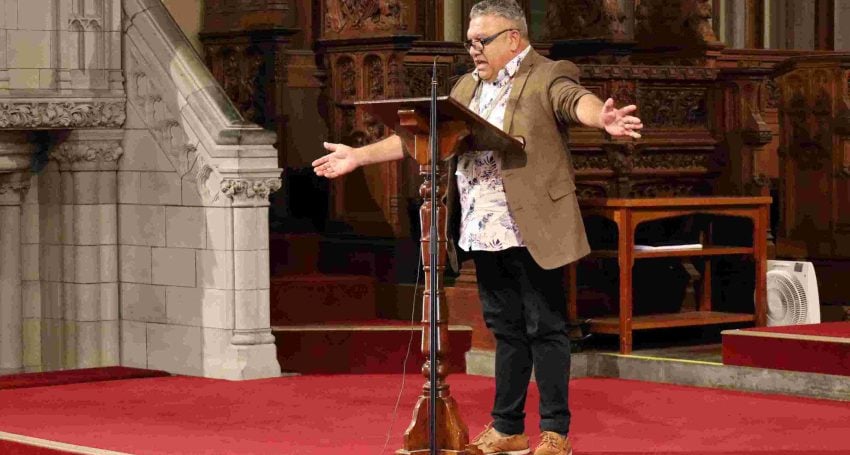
(491, 442)
(552, 443)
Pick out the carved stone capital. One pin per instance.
(12, 187)
(62, 114)
(248, 190)
(88, 151)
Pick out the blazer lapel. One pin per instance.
(516, 89)
(465, 90)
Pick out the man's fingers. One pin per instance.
(609, 103)
(320, 161)
(628, 109)
(329, 146)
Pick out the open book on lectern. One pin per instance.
(480, 134)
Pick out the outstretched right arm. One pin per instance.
(343, 159)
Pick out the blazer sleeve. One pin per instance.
(565, 91)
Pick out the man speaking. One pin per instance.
(519, 215)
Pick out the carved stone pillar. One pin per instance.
(238, 207)
(15, 151)
(11, 305)
(88, 169)
(792, 24)
(842, 34)
(453, 22)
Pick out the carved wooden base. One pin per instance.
(452, 433)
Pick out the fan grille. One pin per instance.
(786, 299)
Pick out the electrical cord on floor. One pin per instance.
(406, 355)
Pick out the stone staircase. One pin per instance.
(334, 322)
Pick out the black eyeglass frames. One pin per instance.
(479, 44)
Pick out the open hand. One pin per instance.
(339, 162)
(618, 122)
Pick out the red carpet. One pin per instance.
(18, 381)
(324, 415)
(815, 348)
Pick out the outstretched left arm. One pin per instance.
(592, 112)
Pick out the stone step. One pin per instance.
(362, 347)
(315, 298)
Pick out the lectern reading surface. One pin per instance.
(479, 135)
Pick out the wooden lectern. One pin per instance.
(460, 129)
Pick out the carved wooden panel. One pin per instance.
(252, 66)
(747, 112)
(676, 156)
(358, 18)
(418, 79)
(669, 106)
(250, 71)
(368, 199)
(377, 200)
(815, 146)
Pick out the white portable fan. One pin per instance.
(792, 293)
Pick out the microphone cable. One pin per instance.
(406, 355)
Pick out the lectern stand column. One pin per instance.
(452, 433)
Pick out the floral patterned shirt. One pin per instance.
(486, 220)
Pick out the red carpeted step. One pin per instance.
(815, 348)
(294, 253)
(313, 298)
(51, 378)
(360, 347)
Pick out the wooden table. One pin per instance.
(628, 214)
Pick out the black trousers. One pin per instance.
(525, 307)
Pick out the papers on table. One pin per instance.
(684, 246)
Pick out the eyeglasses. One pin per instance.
(478, 44)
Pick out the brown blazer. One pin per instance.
(539, 182)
